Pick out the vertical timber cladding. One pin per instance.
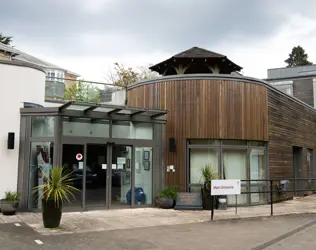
(290, 124)
(210, 108)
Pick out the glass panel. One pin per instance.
(235, 167)
(143, 175)
(256, 143)
(199, 157)
(41, 157)
(43, 126)
(204, 142)
(96, 170)
(258, 172)
(70, 163)
(86, 128)
(235, 142)
(129, 130)
(310, 165)
(121, 176)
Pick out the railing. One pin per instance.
(278, 190)
(69, 89)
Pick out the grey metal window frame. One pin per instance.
(219, 147)
(141, 115)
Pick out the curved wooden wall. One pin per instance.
(204, 108)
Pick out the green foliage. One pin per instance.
(297, 57)
(207, 175)
(12, 196)
(7, 40)
(58, 186)
(169, 192)
(81, 91)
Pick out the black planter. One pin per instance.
(165, 202)
(207, 200)
(51, 214)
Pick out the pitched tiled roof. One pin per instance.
(18, 55)
(196, 52)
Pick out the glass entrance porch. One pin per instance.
(121, 161)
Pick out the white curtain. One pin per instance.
(235, 167)
(199, 157)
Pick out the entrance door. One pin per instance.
(96, 175)
(121, 176)
(298, 170)
(71, 160)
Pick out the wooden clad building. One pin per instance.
(243, 127)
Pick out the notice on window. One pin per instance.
(113, 166)
(121, 160)
(80, 165)
(103, 166)
(120, 166)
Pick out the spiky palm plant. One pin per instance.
(207, 175)
(58, 186)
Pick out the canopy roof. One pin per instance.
(98, 111)
(197, 60)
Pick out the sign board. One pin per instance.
(79, 157)
(225, 187)
(121, 160)
(103, 166)
(189, 201)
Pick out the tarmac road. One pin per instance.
(282, 232)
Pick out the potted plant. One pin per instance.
(57, 188)
(167, 197)
(207, 175)
(10, 202)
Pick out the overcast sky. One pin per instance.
(88, 36)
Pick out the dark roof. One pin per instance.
(201, 56)
(196, 52)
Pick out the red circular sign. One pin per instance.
(79, 157)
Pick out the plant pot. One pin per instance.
(9, 207)
(51, 213)
(207, 201)
(165, 202)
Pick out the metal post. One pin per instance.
(236, 204)
(271, 197)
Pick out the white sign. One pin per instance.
(80, 165)
(79, 157)
(113, 166)
(225, 187)
(103, 166)
(121, 160)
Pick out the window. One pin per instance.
(43, 126)
(56, 76)
(130, 130)
(232, 159)
(310, 164)
(199, 157)
(41, 160)
(84, 127)
(234, 164)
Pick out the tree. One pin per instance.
(5, 39)
(297, 57)
(81, 91)
(123, 76)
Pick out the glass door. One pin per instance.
(73, 158)
(121, 176)
(96, 172)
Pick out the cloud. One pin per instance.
(77, 32)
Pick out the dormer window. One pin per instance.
(55, 76)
